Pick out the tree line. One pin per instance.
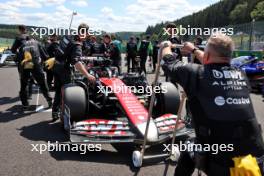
(223, 13)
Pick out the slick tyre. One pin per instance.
(75, 99)
(168, 100)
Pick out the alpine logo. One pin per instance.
(220, 101)
(215, 83)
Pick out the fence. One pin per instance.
(4, 42)
(249, 36)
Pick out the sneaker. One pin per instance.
(25, 107)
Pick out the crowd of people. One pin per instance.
(201, 80)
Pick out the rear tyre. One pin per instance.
(74, 98)
(168, 100)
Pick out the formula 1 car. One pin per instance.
(114, 112)
(6, 57)
(254, 69)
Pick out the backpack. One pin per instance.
(87, 48)
(115, 50)
(143, 49)
(117, 44)
(65, 41)
(29, 54)
(64, 48)
(132, 48)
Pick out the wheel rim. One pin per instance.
(137, 159)
(175, 153)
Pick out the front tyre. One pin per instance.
(74, 103)
(168, 100)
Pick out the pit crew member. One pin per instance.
(62, 67)
(32, 54)
(220, 104)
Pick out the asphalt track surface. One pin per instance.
(18, 130)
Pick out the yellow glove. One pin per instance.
(245, 166)
(27, 57)
(50, 63)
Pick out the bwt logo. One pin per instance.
(221, 101)
(227, 74)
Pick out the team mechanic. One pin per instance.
(18, 42)
(32, 55)
(220, 103)
(62, 67)
(52, 51)
(131, 54)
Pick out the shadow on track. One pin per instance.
(10, 65)
(15, 112)
(43, 131)
(52, 132)
(8, 100)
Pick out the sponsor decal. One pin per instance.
(217, 74)
(220, 101)
(231, 84)
(215, 83)
(237, 101)
(227, 74)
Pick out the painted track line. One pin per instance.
(40, 108)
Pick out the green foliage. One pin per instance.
(4, 42)
(222, 13)
(126, 35)
(154, 37)
(258, 12)
(239, 13)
